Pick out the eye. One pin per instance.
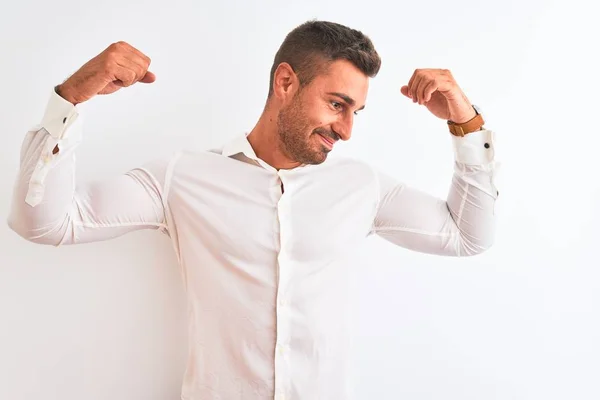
(339, 106)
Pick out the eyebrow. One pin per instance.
(349, 100)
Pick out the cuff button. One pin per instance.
(65, 120)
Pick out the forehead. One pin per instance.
(343, 77)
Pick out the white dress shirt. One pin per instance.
(263, 253)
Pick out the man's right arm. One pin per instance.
(48, 207)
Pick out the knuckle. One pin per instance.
(108, 68)
(111, 55)
(110, 63)
(128, 79)
(117, 47)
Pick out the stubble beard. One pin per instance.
(292, 126)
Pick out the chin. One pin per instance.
(319, 157)
(312, 155)
(317, 162)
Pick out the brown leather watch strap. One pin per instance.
(472, 125)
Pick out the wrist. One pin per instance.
(464, 116)
(475, 123)
(64, 92)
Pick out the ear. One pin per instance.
(285, 81)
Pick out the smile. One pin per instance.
(328, 142)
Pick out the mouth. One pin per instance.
(327, 141)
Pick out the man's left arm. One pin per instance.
(464, 223)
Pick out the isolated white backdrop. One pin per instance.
(107, 320)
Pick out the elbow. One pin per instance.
(468, 246)
(34, 231)
(475, 252)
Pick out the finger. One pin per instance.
(143, 75)
(148, 78)
(134, 62)
(138, 57)
(142, 66)
(138, 71)
(404, 91)
(429, 90)
(411, 82)
(126, 46)
(139, 54)
(125, 76)
(420, 89)
(412, 90)
(126, 55)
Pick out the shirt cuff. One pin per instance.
(59, 115)
(475, 148)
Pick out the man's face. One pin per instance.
(321, 113)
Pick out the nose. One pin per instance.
(343, 127)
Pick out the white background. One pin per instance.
(107, 320)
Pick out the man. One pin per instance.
(264, 227)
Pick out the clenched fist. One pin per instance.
(437, 90)
(120, 65)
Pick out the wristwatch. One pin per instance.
(474, 124)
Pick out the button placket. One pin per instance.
(282, 376)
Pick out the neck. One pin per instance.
(265, 141)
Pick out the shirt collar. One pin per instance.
(239, 144)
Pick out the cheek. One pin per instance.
(315, 119)
(319, 117)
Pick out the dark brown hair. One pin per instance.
(312, 46)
